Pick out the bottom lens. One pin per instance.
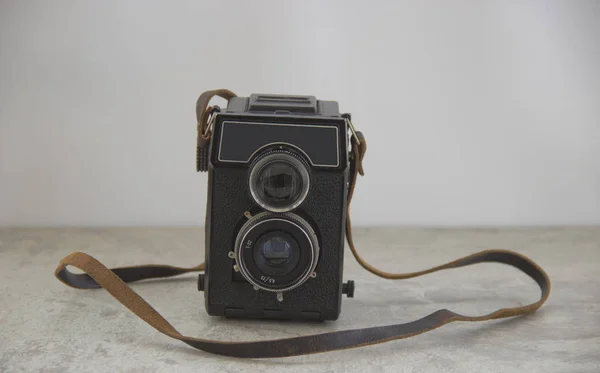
(276, 252)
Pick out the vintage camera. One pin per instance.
(278, 173)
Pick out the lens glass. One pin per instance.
(276, 253)
(276, 250)
(279, 184)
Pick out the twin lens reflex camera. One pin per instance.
(278, 179)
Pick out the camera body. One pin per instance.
(278, 172)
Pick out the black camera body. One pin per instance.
(278, 172)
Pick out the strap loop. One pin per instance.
(205, 117)
(202, 109)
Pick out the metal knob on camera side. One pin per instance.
(201, 282)
(348, 288)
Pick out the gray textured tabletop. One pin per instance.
(48, 327)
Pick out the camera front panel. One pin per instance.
(250, 282)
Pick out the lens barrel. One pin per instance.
(276, 252)
(279, 180)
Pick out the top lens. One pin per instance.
(279, 184)
(279, 181)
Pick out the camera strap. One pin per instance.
(114, 281)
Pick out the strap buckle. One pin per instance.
(358, 146)
(211, 120)
(352, 129)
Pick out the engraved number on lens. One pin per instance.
(267, 279)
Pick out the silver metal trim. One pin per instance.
(281, 144)
(337, 142)
(210, 122)
(298, 164)
(248, 227)
(353, 130)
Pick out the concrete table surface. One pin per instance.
(48, 327)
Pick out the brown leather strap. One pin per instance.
(203, 110)
(114, 281)
(98, 274)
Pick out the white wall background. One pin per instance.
(476, 112)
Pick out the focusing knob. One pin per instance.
(348, 289)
